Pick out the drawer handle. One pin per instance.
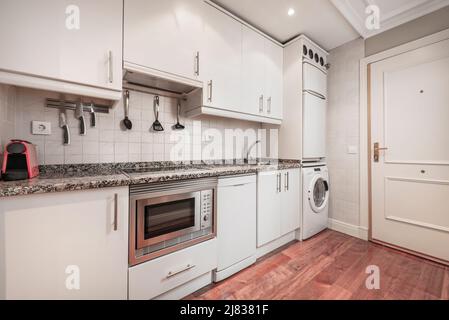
(174, 273)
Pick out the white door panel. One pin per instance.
(410, 181)
(314, 79)
(314, 127)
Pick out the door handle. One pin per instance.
(115, 211)
(174, 273)
(197, 63)
(110, 67)
(376, 151)
(261, 103)
(209, 85)
(269, 105)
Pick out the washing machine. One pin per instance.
(315, 199)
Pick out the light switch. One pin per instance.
(352, 150)
(41, 128)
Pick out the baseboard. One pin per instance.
(349, 229)
(273, 245)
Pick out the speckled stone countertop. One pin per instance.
(59, 178)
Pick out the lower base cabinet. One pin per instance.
(278, 204)
(70, 245)
(155, 277)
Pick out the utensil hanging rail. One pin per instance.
(71, 105)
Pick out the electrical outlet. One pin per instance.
(352, 150)
(41, 128)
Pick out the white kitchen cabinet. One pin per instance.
(290, 200)
(221, 60)
(236, 224)
(278, 204)
(268, 207)
(63, 45)
(164, 35)
(253, 71)
(274, 80)
(53, 242)
(261, 75)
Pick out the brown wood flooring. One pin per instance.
(332, 266)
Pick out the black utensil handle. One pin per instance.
(82, 126)
(93, 119)
(66, 134)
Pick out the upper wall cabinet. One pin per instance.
(222, 60)
(262, 75)
(164, 36)
(59, 45)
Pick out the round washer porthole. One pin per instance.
(304, 50)
(318, 194)
(310, 54)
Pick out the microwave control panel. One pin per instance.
(206, 208)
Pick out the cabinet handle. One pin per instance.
(279, 182)
(285, 182)
(110, 67)
(197, 63)
(261, 103)
(174, 273)
(288, 181)
(209, 85)
(116, 212)
(269, 105)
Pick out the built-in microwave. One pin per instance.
(169, 216)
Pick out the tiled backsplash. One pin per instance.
(108, 142)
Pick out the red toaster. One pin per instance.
(20, 161)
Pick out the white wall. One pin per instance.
(343, 131)
(108, 142)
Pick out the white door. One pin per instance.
(164, 35)
(314, 79)
(314, 126)
(253, 72)
(43, 38)
(236, 220)
(273, 80)
(290, 200)
(410, 180)
(221, 60)
(268, 207)
(65, 245)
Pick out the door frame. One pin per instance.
(365, 123)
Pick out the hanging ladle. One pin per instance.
(157, 126)
(178, 126)
(126, 122)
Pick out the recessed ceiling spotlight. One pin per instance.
(291, 12)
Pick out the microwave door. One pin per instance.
(165, 218)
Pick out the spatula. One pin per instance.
(157, 126)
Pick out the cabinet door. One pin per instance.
(221, 60)
(268, 207)
(273, 80)
(77, 41)
(253, 72)
(290, 200)
(55, 242)
(163, 35)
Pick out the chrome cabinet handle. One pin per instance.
(288, 181)
(174, 273)
(110, 67)
(269, 105)
(285, 182)
(277, 182)
(197, 63)
(209, 86)
(116, 212)
(261, 103)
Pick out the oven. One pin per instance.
(169, 216)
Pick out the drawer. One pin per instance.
(152, 278)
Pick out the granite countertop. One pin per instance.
(93, 176)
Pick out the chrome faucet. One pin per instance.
(246, 160)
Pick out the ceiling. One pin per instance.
(317, 19)
(392, 12)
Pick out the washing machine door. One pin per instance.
(318, 193)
